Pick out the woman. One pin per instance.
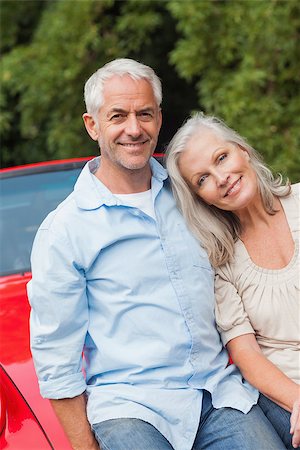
(249, 224)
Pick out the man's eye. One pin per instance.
(117, 117)
(145, 115)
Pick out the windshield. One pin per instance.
(24, 203)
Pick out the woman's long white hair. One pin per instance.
(216, 229)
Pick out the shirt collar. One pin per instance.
(90, 193)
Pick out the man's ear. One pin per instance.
(91, 126)
(159, 118)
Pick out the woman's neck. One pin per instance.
(255, 215)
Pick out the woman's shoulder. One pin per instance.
(295, 190)
(291, 205)
(293, 198)
(237, 264)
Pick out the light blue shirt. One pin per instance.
(137, 294)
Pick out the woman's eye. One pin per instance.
(222, 157)
(201, 180)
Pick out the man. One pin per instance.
(117, 275)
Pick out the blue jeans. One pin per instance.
(219, 429)
(280, 419)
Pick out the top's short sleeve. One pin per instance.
(231, 317)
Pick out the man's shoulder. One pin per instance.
(62, 213)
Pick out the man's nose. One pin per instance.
(133, 127)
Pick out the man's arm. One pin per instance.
(71, 413)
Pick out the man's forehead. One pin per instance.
(124, 93)
(126, 87)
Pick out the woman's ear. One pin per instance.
(246, 154)
(91, 126)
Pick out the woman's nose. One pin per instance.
(222, 179)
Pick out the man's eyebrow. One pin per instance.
(124, 111)
(116, 110)
(146, 109)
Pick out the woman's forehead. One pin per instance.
(205, 139)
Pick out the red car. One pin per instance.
(28, 193)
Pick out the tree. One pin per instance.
(43, 74)
(244, 58)
(236, 59)
(42, 78)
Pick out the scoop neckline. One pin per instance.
(272, 271)
(283, 202)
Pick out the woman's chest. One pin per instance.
(271, 300)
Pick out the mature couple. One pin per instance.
(136, 281)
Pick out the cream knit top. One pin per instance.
(251, 299)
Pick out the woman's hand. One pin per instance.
(295, 424)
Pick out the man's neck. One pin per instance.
(125, 181)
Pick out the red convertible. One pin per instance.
(28, 194)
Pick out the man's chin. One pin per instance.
(136, 162)
(138, 165)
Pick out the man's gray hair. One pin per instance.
(93, 90)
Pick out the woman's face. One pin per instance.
(218, 171)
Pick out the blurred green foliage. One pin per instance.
(244, 57)
(237, 59)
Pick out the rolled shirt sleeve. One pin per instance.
(59, 315)
(231, 317)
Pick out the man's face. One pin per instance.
(128, 122)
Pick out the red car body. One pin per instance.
(27, 421)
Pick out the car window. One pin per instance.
(24, 202)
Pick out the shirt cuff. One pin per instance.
(68, 386)
(237, 330)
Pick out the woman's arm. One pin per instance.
(267, 378)
(262, 373)
(295, 424)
